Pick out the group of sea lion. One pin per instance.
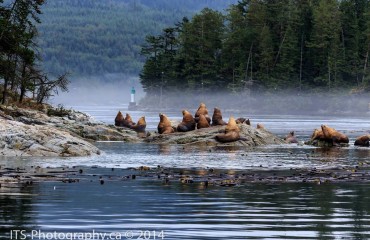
(127, 122)
(331, 136)
(200, 120)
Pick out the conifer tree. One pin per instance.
(325, 43)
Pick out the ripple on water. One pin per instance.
(121, 155)
(289, 211)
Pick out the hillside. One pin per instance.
(105, 36)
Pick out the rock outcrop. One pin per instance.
(78, 124)
(19, 139)
(249, 137)
(54, 132)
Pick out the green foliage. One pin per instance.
(320, 45)
(59, 111)
(202, 43)
(18, 53)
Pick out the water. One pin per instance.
(122, 155)
(256, 211)
(249, 211)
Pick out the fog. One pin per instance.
(109, 89)
(114, 90)
(288, 103)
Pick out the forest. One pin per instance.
(263, 45)
(87, 37)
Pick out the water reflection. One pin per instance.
(16, 207)
(125, 155)
(190, 211)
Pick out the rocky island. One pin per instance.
(250, 137)
(51, 131)
(55, 131)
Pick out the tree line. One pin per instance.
(19, 69)
(314, 45)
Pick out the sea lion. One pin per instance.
(188, 122)
(290, 138)
(128, 120)
(363, 141)
(217, 118)
(232, 126)
(164, 125)
(231, 132)
(118, 121)
(140, 126)
(243, 120)
(333, 135)
(202, 110)
(317, 135)
(202, 122)
(260, 126)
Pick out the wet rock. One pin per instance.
(249, 137)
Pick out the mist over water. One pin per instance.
(114, 90)
(289, 103)
(105, 90)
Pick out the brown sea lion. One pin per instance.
(128, 120)
(217, 118)
(188, 122)
(333, 135)
(260, 126)
(202, 122)
(118, 121)
(363, 141)
(164, 125)
(202, 110)
(243, 120)
(232, 126)
(290, 138)
(231, 132)
(317, 135)
(140, 126)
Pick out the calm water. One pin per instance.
(252, 211)
(294, 211)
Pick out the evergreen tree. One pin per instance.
(365, 42)
(201, 49)
(18, 57)
(351, 40)
(152, 70)
(325, 43)
(236, 47)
